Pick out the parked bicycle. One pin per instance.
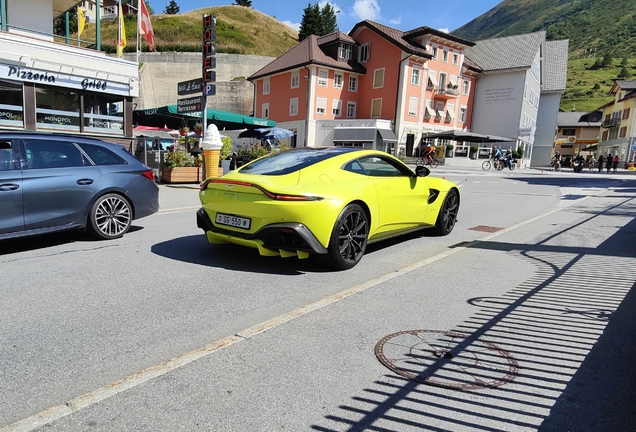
(427, 160)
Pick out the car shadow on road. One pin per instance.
(24, 244)
(197, 250)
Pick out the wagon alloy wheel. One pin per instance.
(111, 217)
(448, 213)
(349, 238)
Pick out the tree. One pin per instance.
(328, 18)
(607, 60)
(624, 73)
(317, 21)
(624, 61)
(310, 23)
(246, 3)
(172, 8)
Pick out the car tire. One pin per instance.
(110, 217)
(447, 214)
(348, 240)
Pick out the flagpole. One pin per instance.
(138, 39)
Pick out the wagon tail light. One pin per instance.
(274, 196)
(149, 174)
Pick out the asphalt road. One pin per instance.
(522, 319)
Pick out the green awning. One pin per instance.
(168, 116)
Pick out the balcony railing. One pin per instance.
(448, 92)
(611, 123)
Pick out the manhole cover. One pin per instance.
(442, 359)
(486, 228)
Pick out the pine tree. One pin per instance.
(328, 18)
(317, 21)
(624, 73)
(172, 8)
(246, 3)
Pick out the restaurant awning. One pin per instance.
(354, 135)
(168, 116)
(460, 135)
(387, 135)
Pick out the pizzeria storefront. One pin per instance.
(50, 86)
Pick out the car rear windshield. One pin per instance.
(289, 161)
(101, 155)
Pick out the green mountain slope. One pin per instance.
(594, 28)
(604, 25)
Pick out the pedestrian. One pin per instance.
(608, 163)
(601, 160)
(615, 162)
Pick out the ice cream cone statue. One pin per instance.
(211, 145)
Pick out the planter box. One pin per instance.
(182, 175)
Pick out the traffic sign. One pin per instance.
(210, 89)
(189, 87)
(189, 105)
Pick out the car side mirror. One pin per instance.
(422, 171)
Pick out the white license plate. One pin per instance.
(233, 221)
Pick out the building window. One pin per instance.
(321, 105)
(625, 113)
(11, 104)
(353, 84)
(323, 76)
(415, 76)
(569, 132)
(351, 109)
(265, 110)
(364, 52)
(344, 51)
(434, 51)
(445, 56)
(432, 79)
(455, 58)
(462, 114)
(439, 110)
(103, 113)
(623, 133)
(378, 78)
(295, 79)
(465, 87)
(56, 108)
(337, 80)
(413, 106)
(265, 86)
(376, 108)
(604, 136)
(293, 107)
(336, 107)
(525, 91)
(442, 80)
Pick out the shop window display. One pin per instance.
(11, 104)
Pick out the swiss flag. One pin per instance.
(145, 25)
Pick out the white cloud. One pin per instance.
(295, 26)
(445, 30)
(366, 9)
(335, 7)
(396, 21)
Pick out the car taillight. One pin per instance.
(279, 197)
(150, 175)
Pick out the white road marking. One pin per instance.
(54, 413)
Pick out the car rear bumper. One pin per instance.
(280, 239)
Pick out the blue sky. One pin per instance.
(446, 15)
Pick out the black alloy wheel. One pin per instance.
(349, 238)
(448, 213)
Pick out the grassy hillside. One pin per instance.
(239, 30)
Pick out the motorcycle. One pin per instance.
(577, 165)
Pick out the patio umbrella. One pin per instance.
(264, 133)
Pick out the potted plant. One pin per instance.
(449, 150)
(473, 151)
(198, 129)
(183, 131)
(179, 167)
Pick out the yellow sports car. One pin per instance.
(329, 201)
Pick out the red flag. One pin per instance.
(145, 25)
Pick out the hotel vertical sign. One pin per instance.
(209, 52)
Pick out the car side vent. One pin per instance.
(433, 196)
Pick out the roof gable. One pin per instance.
(394, 36)
(511, 52)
